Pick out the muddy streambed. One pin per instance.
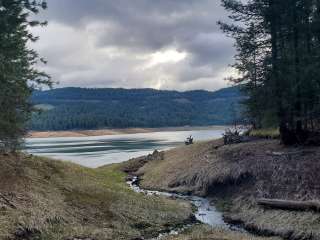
(205, 213)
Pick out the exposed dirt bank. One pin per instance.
(104, 132)
(236, 175)
(53, 200)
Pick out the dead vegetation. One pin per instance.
(295, 225)
(53, 200)
(240, 174)
(207, 233)
(267, 169)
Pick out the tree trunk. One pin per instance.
(289, 205)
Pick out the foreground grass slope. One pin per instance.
(46, 199)
(236, 176)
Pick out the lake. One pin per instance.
(98, 151)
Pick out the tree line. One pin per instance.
(278, 58)
(79, 108)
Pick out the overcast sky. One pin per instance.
(163, 44)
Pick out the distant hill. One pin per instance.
(81, 108)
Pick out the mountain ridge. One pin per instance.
(92, 108)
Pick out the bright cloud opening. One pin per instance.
(164, 57)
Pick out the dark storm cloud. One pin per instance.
(115, 39)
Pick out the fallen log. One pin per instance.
(279, 154)
(289, 205)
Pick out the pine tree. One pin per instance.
(252, 45)
(278, 59)
(18, 73)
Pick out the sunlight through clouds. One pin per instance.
(136, 44)
(169, 56)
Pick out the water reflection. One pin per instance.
(101, 150)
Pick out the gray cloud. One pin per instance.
(168, 44)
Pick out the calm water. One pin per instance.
(102, 150)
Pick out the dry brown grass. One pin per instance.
(269, 169)
(287, 224)
(184, 169)
(241, 173)
(47, 199)
(207, 233)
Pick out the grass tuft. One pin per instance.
(202, 232)
(268, 133)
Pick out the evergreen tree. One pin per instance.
(278, 59)
(252, 45)
(18, 73)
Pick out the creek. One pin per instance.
(205, 212)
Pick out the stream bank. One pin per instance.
(235, 176)
(205, 212)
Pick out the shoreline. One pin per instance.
(106, 132)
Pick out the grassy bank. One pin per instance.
(268, 133)
(236, 176)
(46, 199)
(206, 233)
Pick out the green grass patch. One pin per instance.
(268, 133)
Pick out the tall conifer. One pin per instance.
(18, 68)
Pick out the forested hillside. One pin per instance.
(79, 108)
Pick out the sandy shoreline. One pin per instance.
(104, 132)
